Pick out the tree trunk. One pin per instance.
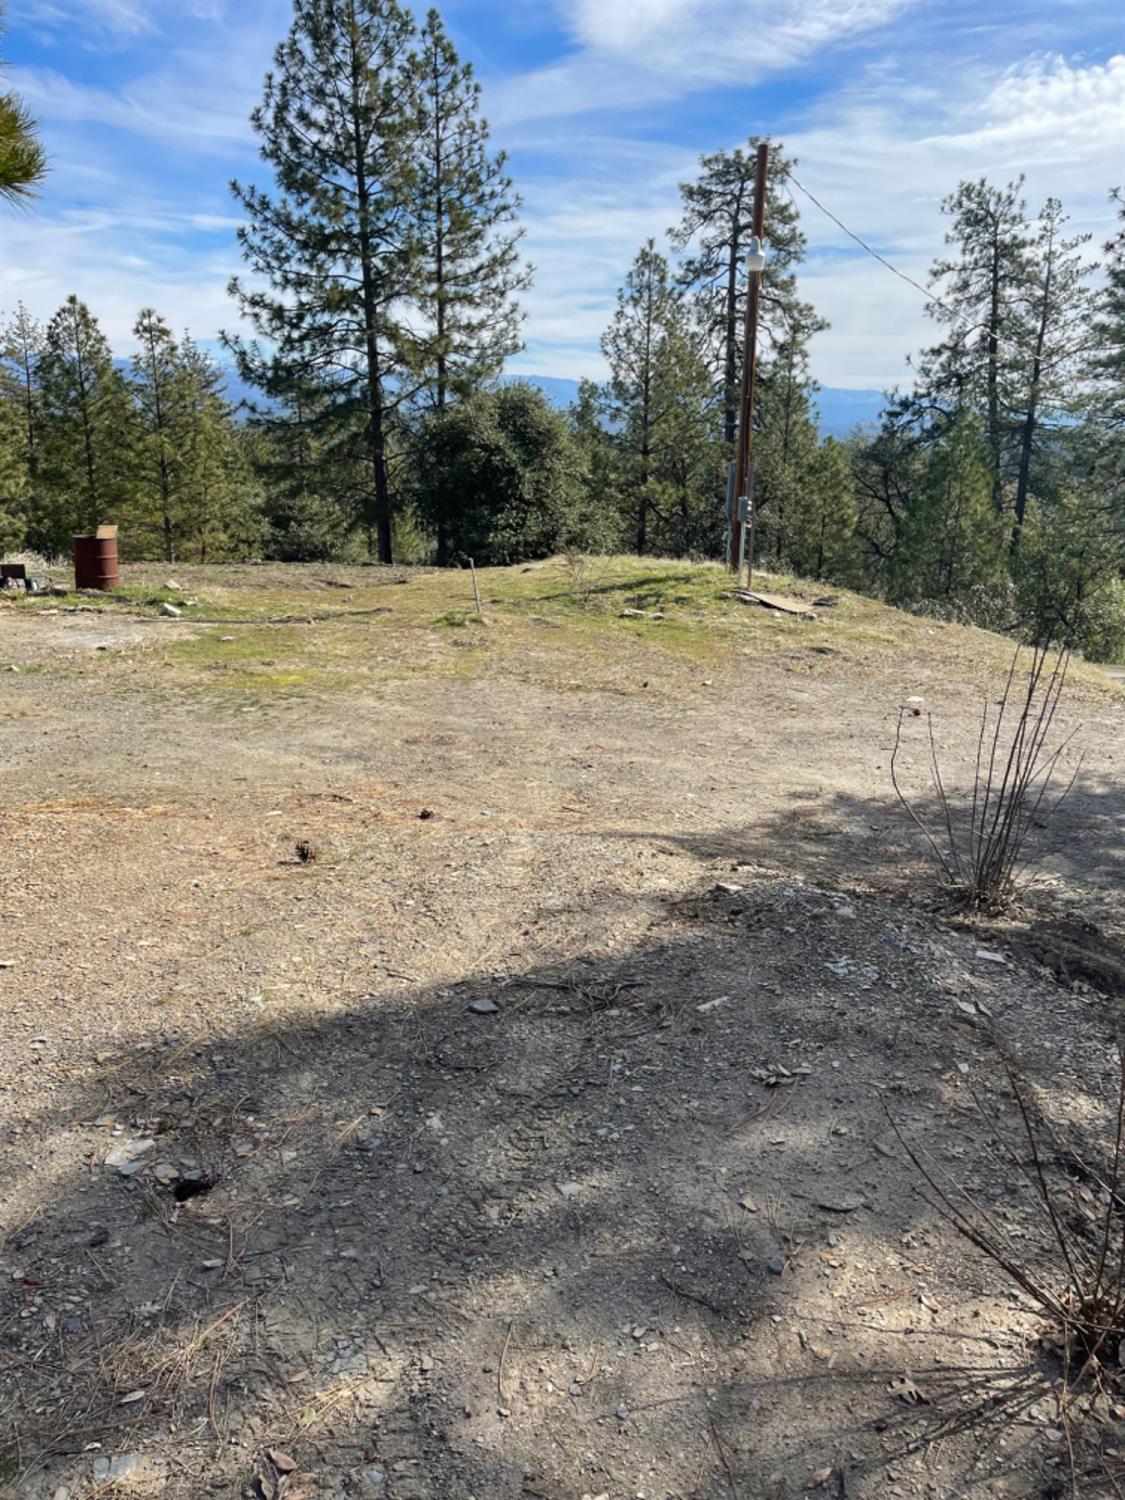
(162, 456)
(439, 251)
(1030, 422)
(377, 450)
(993, 374)
(87, 435)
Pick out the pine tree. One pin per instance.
(1053, 330)
(687, 456)
(87, 430)
(1109, 330)
(637, 401)
(951, 538)
(219, 496)
(820, 536)
(21, 342)
(784, 448)
(158, 397)
(13, 465)
(716, 226)
(336, 246)
(23, 162)
(980, 292)
(469, 269)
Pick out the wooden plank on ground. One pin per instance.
(782, 602)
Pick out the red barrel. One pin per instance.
(95, 560)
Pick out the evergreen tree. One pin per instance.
(687, 451)
(820, 537)
(21, 343)
(499, 477)
(715, 227)
(951, 536)
(594, 443)
(158, 387)
(13, 466)
(23, 162)
(1053, 331)
(87, 431)
(469, 268)
(785, 445)
(887, 464)
(638, 397)
(219, 496)
(336, 246)
(981, 293)
(1109, 330)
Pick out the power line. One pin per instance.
(883, 261)
(902, 276)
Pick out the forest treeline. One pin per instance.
(384, 272)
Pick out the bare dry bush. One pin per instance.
(1073, 1268)
(988, 840)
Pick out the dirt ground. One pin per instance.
(537, 1136)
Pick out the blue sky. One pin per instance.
(603, 107)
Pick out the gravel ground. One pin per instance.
(539, 1134)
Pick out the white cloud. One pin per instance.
(883, 165)
(911, 116)
(648, 51)
(93, 24)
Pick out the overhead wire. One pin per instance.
(883, 261)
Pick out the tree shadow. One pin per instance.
(621, 1224)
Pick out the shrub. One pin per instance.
(986, 842)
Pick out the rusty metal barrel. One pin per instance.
(95, 560)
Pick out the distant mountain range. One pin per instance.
(840, 409)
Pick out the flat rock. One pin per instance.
(483, 1007)
(126, 1154)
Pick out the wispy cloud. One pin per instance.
(887, 103)
(650, 51)
(87, 23)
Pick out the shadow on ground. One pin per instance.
(625, 1225)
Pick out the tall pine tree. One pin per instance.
(469, 269)
(21, 343)
(1053, 330)
(980, 290)
(218, 493)
(336, 246)
(158, 395)
(13, 465)
(1109, 329)
(637, 399)
(87, 431)
(715, 229)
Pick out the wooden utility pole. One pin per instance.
(743, 470)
